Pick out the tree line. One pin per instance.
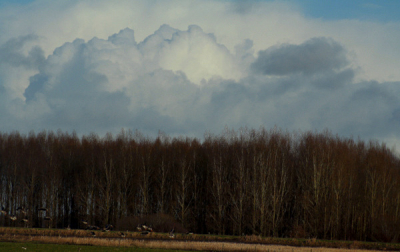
(262, 182)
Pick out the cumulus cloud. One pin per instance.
(187, 81)
(118, 82)
(184, 82)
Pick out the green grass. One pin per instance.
(32, 246)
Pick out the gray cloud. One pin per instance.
(36, 84)
(243, 6)
(12, 53)
(124, 37)
(333, 79)
(107, 84)
(313, 56)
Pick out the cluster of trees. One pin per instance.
(249, 182)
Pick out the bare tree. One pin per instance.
(183, 194)
(218, 191)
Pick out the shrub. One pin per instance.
(158, 222)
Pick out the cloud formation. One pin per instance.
(187, 81)
(10, 53)
(313, 56)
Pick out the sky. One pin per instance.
(187, 68)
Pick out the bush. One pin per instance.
(158, 222)
(298, 232)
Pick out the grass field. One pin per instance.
(31, 246)
(33, 239)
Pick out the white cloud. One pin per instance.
(184, 68)
(199, 56)
(265, 23)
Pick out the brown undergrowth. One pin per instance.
(185, 241)
(168, 244)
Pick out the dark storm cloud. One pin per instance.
(313, 56)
